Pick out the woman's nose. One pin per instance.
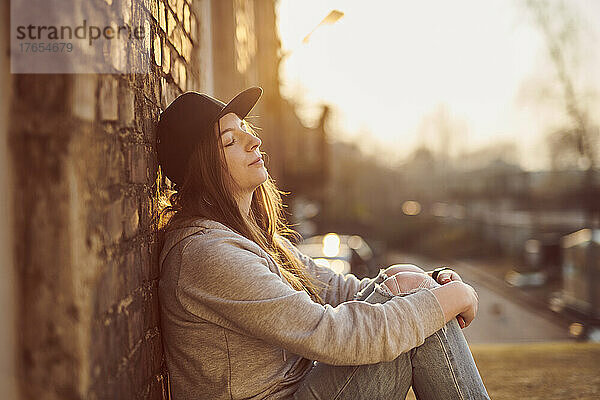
(254, 142)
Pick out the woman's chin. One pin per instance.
(265, 175)
(261, 178)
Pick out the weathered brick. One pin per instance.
(132, 272)
(154, 265)
(42, 93)
(194, 28)
(115, 162)
(171, 92)
(151, 317)
(126, 105)
(162, 15)
(108, 98)
(177, 42)
(116, 344)
(135, 327)
(166, 58)
(186, 18)
(108, 289)
(153, 8)
(175, 70)
(131, 217)
(182, 76)
(156, 350)
(114, 221)
(179, 10)
(186, 48)
(138, 164)
(171, 23)
(155, 97)
(147, 212)
(84, 96)
(149, 122)
(145, 260)
(126, 10)
(157, 48)
(126, 390)
(136, 377)
(144, 19)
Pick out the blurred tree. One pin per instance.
(442, 131)
(575, 144)
(560, 29)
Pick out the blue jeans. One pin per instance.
(441, 368)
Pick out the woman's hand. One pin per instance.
(458, 300)
(446, 276)
(472, 307)
(403, 282)
(443, 277)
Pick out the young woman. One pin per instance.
(245, 315)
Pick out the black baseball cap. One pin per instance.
(188, 120)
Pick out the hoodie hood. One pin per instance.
(185, 229)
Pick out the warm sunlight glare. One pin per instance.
(331, 245)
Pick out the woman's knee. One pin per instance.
(395, 268)
(405, 282)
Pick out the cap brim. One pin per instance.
(242, 103)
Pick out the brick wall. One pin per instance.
(85, 207)
(7, 270)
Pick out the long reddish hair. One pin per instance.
(208, 192)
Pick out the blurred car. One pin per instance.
(342, 253)
(540, 262)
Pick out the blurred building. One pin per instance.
(245, 50)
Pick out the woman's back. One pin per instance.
(207, 356)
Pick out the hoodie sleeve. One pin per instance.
(338, 288)
(222, 280)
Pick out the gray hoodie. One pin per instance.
(233, 328)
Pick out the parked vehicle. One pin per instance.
(540, 263)
(342, 253)
(581, 271)
(580, 292)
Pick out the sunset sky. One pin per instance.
(388, 66)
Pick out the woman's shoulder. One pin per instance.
(222, 251)
(217, 239)
(198, 233)
(195, 221)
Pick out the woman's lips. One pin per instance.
(257, 161)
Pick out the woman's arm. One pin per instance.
(224, 282)
(456, 298)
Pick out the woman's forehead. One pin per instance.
(229, 119)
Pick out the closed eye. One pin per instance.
(230, 143)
